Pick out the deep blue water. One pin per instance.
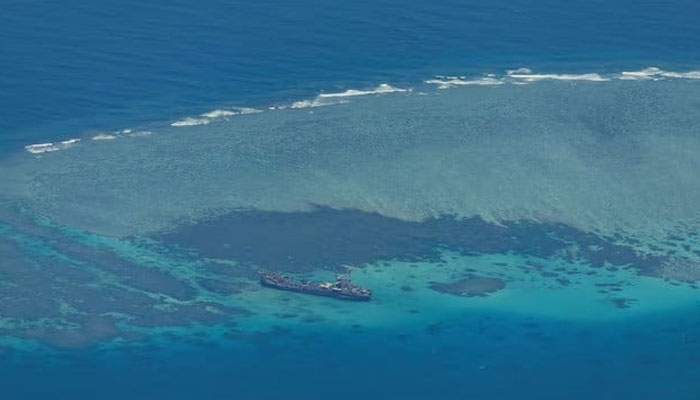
(483, 356)
(77, 67)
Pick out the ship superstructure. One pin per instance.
(342, 288)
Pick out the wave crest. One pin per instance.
(327, 99)
(48, 147)
(189, 121)
(450, 81)
(103, 136)
(523, 75)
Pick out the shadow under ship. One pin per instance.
(342, 288)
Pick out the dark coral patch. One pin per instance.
(620, 302)
(70, 295)
(147, 278)
(330, 238)
(470, 287)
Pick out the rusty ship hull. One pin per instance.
(341, 289)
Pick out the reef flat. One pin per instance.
(86, 290)
(490, 222)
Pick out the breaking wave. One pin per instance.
(521, 76)
(445, 82)
(657, 73)
(49, 147)
(104, 136)
(527, 75)
(327, 99)
(218, 113)
(248, 110)
(207, 117)
(189, 121)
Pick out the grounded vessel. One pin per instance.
(342, 288)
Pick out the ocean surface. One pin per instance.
(516, 181)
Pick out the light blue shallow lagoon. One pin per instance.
(517, 184)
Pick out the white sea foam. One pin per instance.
(527, 75)
(682, 75)
(189, 121)
(307, 103)
(450, 81)
(317, 102)
(523, 76)
(327, 99)
(382, 88)
(126, 131)
(655, 73)
(521, 70)
(69, 142)
(40, 148)
(248, 110)
(104, 136)
(230, 112)
(218, 113)
(645, 74)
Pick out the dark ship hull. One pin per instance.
(341, 289)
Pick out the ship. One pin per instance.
(342, 288)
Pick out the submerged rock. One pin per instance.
(470, 287)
